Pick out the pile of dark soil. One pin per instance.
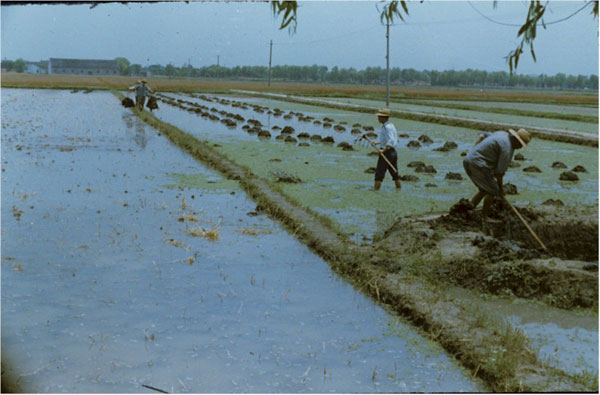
(519, 156)
(304, 135)
(559, 165)
(425, 169)
(448, 146)
(510, 189)
(371, 170)
(579, 169)
(345, 146)
(532, 169)
(416, 163)
(409, 177)
(425, 139)
(568, 176)
(282, 176)
(328, 139)
(413, 144)
(453, 176)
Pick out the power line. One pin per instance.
(518, 25)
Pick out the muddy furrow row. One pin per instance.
(484, 350)
(562, 136)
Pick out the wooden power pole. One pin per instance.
(270, 57)
(387, 66)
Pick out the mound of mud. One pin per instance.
(355, 131)
(568, 176)
(345, 146)
(552, 202)
(409, 177)
(290, 139)
(413, 144)
(304, 144)
(403, 135)
(425, 169)
(532, 169)
(579, 169)
(430, 185)
(287, 130)
(371, 170)
(416, 163)
(316, 137)
(264, 134)
(328, 139)
(510, 189)
(282, 176)
(339, 128)
(425, 139)
(519, 156)
(464, 153)
(559, 165)
(453, 176)
(448, 146)
(304, 135)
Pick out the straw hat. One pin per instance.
(521, 135)
(383, 112)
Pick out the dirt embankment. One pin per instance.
(502, 257)
(496, 353)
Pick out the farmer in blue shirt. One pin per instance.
(141, 91)
(388, 139)
(488, 160)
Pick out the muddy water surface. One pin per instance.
(335, 181)
(125, 262)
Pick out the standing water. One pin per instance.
(127, 263)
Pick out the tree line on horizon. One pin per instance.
(369, 75)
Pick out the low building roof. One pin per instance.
(84, 63)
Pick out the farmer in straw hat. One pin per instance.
(141, 91)
(487, 162)
(388, 138)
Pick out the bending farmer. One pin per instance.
(488, 160)
(141, 91)
(388, 138)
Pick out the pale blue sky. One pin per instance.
(438, 35)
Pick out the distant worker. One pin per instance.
(388, 139)
(487, 162)
(142, 90)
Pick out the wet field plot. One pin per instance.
(126, 263)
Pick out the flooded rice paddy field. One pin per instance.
(127, 263)
(335, 182)
(525, 121)
(547, 108)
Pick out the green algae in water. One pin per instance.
(200, 181)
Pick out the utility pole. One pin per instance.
(218, 60)
(270, 57)
(387, 66)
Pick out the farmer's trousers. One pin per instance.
(139, 102)
(382, 165)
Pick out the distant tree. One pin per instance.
(123, 65)
(8, 64)
(396, 8)
(135, 69)
(19, 65)
(170, 70)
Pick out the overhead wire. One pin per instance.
(518, 25)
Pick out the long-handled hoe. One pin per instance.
(364, 137)
(535, 236)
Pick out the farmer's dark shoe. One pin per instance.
(377, 185)
(398, 184)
